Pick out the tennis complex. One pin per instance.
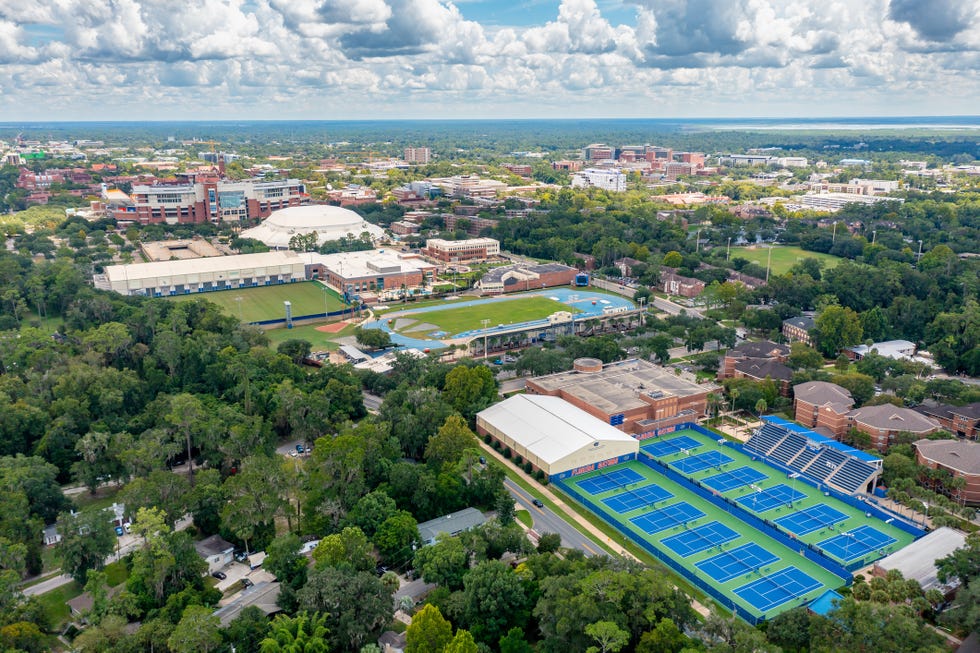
(758, 538)
(762, 527)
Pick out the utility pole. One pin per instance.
(768, 263)
(728, 250)
(485, 322)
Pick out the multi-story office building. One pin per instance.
(613, 180)
(210, 200)
(420, 155)
(472, 249)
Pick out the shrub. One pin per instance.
(507, 453)
(528, 467)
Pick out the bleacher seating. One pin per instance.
(826, 464)
(788, 448)
(802, 460)
(766, 439)
(852, 475)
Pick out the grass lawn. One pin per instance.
(510, 311)
(745, 535)
(265, 302)
(321, 341)
(103, 497)
(524, 517)
(783, 257)
(54, 605)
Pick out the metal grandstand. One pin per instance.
(821, 459)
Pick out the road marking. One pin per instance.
(589, 549)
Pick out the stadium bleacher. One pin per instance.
(813, 455)
(804, 458)
(826, 464)
(766, 439)
(789, 448)
(852, 476)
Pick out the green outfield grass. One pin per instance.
(266, 302)
(497, 311)
(783, 257)
(712, 513)
(318, 339)
(855, 516)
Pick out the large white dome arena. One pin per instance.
(329, 223)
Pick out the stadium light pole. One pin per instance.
(238, 300)
(485, 321)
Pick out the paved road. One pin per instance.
(371, 402)
(546, 521)
(674, 309)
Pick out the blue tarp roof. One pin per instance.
(824, 603)
(823, 441)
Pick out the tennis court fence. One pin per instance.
(764, 526)
(686, 573)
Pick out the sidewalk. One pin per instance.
(572, 515)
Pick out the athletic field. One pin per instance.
(783, 257)
(711, 546)
(266, 302)
(452, 320)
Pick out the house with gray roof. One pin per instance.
(886, 421)
(961, 458)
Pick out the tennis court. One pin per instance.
(773, 497)
(661, 519)
(856, 543)
(811, 519)
(633, 499)
(700, 462)
(735, 562)
(661, 448)
(700, 538)
(610, 481)
(735, 478)
(775, 589)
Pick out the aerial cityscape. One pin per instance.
(521, 327)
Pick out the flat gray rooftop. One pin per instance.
(619, 386)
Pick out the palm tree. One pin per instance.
(760, 407)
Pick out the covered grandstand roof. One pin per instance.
(821, 440)
(549, 426)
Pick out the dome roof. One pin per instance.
(329, 223)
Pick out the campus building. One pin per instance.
(960, 458)
(635, 395)
(419, 155)
(961, 421)
(555, 436)
(800, 329)
(327, 222)
(613, 180)
(187, 276)
(377, 274)
(515, 278)
(761, 351)
(886, 421)
(209, 199)
(472, 249)
(823, 406)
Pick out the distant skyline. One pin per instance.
(388, 59)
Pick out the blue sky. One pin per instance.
(347, 59)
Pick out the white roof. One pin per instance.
(355, 264)
(329, 222)
(158, 269)
(917, 561)
(550, 427)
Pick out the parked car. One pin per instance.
(538, 503)
(247, 583)
(128, 527)
(220, 575)
(119, 531)
(299, 448)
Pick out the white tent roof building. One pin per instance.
(554, 435)
(329, 223)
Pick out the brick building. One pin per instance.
(761, 350)
(800, 329)
(886, 421)
(960, 458)
(472, 249)
(823, 406)
(210, 199)
(516, 278)
(635, 395)
(961, 421)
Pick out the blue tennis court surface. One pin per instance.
(610, 481)
(633, 499)
(856, 543)
(777, 495)
(735, 562)
(736, 478)
(660, 519)
(812, 519)
(661, 448)
(699, 539)
(775, 589)
(694, 464)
